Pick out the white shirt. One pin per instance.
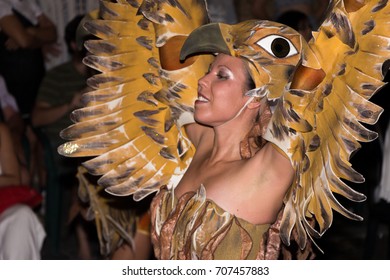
(28, 8)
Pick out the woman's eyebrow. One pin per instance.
(223, 65)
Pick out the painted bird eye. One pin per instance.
(277, 46)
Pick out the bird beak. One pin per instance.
(209, 38)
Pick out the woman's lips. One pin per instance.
(201, 98)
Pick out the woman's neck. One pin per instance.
(227, 139)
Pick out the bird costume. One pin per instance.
(151, 55)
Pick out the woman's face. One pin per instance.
(221, 91)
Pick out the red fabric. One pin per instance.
(11, 195)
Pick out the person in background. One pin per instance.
(59, 94)
(61, 89)
(62, 12)
(11, 116)
(24, 30)
(21, 232)
(375, 160)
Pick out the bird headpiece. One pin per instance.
(271, 51)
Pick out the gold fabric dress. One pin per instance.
(194, 227)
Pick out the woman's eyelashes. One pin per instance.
(220, 73)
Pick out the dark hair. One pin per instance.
(249, 82)
(293, 19)
(254, 137)
(70, 32)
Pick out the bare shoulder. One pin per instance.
(276, 164)
(271, 175)
(272, 154)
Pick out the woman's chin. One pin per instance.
(201, 120)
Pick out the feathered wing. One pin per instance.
(115, 218)
(131, 123)
(352, 47)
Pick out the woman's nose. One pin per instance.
(199, 88)
(202, 81)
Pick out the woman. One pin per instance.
(306, 100)
(248, 191)
(217, 161)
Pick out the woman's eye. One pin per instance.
(222, 76)
(277, 46)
